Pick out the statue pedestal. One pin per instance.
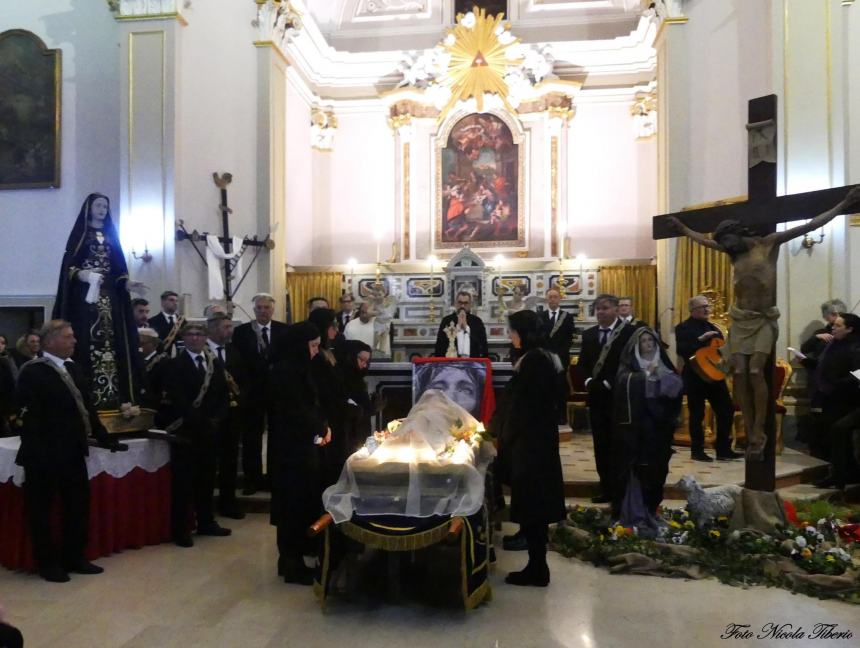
(116, 423)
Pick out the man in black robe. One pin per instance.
(471, 340)
(57, 417)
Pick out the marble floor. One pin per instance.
(577, 462)
(223, 592)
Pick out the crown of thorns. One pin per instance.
(731, 227)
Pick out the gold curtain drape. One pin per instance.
(636, 281)
(301, 286)
(697, 269)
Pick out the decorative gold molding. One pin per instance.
(396, 122)
(678, 20)
(716, 203)
(557, 103)
(270, 44)
(406, 201)
(854, 221)
(162, 16)
(131, 121)
(553, 166)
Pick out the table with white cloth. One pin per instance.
(129, 501)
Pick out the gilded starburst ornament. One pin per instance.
(480, 53)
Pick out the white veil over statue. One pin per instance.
(434, 463)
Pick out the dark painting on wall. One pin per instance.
(30, 78)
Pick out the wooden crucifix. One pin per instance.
(746, 232)
(226, 240)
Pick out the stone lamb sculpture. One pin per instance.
(706, 504)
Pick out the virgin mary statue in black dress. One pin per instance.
(93, 295)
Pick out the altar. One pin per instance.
(129, 501)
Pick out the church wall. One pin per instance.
(728, 58)
(612, 183)
(37, 222)
(217, 130)
(354, 190)
(298, 231)
(813, 71)
(709, 67)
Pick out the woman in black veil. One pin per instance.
(93, 294)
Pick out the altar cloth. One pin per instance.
(129, 501)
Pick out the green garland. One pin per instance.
(797, 558)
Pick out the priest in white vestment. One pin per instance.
(361, 328)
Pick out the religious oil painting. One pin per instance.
(479, 185)
(461, 380)
(30, 76)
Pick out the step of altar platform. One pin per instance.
(793, 468)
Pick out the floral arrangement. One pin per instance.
(465, 437)
(801, 556)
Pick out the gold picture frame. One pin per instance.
(481, 231)
(30, 111)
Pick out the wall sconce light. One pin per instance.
(807, 242)
(146, 257)
(644, 114)
(323, 127)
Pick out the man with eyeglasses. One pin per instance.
(471, 336)
(691, 335)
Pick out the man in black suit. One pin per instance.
(57, 416)
(140, 310)
(471, 336)
(347, 311)
(598, 362)
(168, 323)
(692, 334)
(194, 406)
(154, 363)
(219, 327)
(254, 341)
(625, 312)
(559, 329)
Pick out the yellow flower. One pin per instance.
(689, 525)
(830, 558)
(723, 518)
(806, 553)
(600, 537)
(674, 525)
(714, 533)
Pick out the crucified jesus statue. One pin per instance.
(753, 331)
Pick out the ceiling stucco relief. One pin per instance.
(381, 8)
